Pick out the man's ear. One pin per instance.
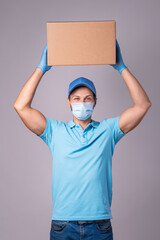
(69, 102)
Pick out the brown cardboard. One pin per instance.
(81, 43)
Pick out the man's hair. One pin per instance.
(94, 96)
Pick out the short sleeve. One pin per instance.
(115, 129)
(48, 133)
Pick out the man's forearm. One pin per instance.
(26, 94)
(137, 93)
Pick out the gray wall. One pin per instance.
(25, 160)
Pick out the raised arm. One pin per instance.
(132, 116)
(32, 118)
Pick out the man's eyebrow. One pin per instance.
(78, 95)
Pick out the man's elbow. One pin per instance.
(149, 105)
(146, 106)
(17, 108)
(20, 107)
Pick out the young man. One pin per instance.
(82, 151)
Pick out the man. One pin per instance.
(82, 152)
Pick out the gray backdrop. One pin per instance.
(25, 160)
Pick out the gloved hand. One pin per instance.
(43, 63)
(119, 61)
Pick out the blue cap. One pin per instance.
(81, 81)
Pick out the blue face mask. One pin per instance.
(82, 110)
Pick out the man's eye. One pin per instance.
(78, 99)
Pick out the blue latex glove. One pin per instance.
(43, 63)
(119, 61)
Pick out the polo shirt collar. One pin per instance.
(71, 123)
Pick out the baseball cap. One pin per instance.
(81, 81)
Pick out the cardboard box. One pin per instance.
(81, 43)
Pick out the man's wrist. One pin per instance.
(122, 68)
(39, 71)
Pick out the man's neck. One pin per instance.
(82, 123)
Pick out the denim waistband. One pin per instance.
(90, 221)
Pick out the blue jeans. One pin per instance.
(68, 230)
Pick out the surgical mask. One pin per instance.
(82, 110)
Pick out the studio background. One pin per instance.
(25, 160)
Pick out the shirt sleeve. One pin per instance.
(115, 129)
(48, 134)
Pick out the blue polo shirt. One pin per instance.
(82, 167)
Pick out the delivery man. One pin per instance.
(82, 150)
